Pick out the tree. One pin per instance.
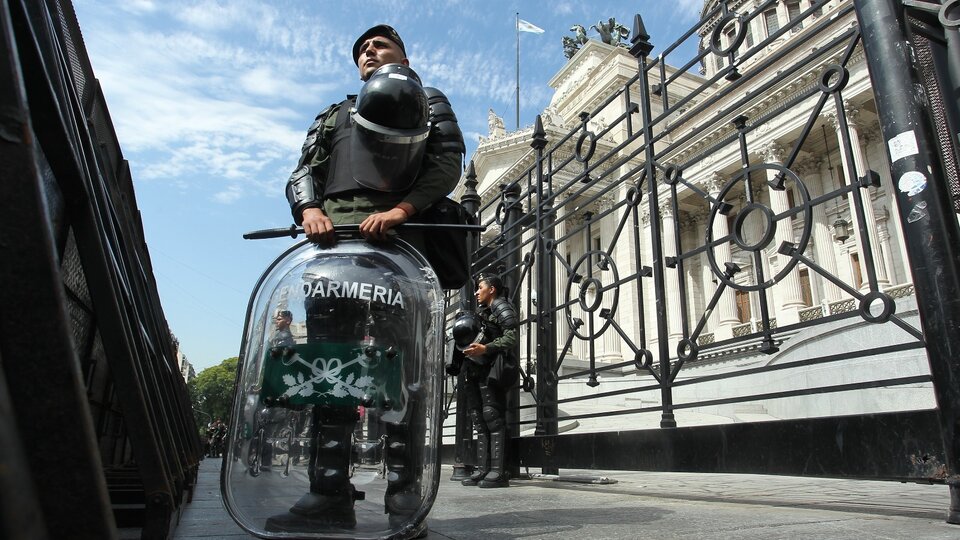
(211, 392)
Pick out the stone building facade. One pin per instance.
(712, 157)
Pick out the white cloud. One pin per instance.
(212, 15)
(261, 81)
(562, 8)
(203, 112)
(690, 8)
(140, 6)
(228, 196)
(474, 136)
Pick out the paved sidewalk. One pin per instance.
(650, 505)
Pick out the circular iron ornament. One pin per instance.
(716, 46)
(643, 359)
(687, 349)
(597, 298)
(806, 214)
(499, 215)
(842, 77)
(889, 306)
(591, 139)
(769, 227)
(634, 196)
(588, 258)
(672, 175)
(528, 384)
(948, 15)
(549, 245)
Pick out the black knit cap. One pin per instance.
(381, 30)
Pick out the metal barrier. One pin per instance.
(96, 422)
(708, 248)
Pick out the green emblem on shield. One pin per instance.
(341, 374)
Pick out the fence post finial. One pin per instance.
(641, 39)
(539, 135)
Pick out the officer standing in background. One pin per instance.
(489, 373)
(282, 337)
(376, 159)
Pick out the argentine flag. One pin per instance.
(524, 26)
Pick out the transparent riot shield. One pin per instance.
(335, 426)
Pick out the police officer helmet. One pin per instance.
(391, 125)
(466, 330)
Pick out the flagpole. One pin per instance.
(518, 71)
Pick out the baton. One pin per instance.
(293, 231)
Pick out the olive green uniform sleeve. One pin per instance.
(306, 185)
(438, 177)
(504, 343)
(502, 314)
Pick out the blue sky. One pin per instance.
(211, 101)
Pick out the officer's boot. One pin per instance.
(497, 476)
(496, 423)
(483, 450)
(403, 457)
(329, 503)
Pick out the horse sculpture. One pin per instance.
(572, 44)
(611, 33)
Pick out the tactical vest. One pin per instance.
(340, 176)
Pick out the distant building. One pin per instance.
(184, 365)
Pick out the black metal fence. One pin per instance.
(743, 261)
(96, 422)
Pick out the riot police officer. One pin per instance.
(375, 159)
(488, 342)
(369, 160)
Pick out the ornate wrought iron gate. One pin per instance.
(719, 251)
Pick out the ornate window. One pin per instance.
(730, 33)
(793, 13)
(771, 20)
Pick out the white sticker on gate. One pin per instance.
(903, 145)
(912, 182)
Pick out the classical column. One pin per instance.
(824, 253)
(624, 255)
(577, 250)
(852, 114)
(560, 287)
(889, 232)
(649, 293)
(669, 227)
(708, 285)
(788, 294)
(726, 308)
(885, 246)
(610, 348)
(873, 139)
